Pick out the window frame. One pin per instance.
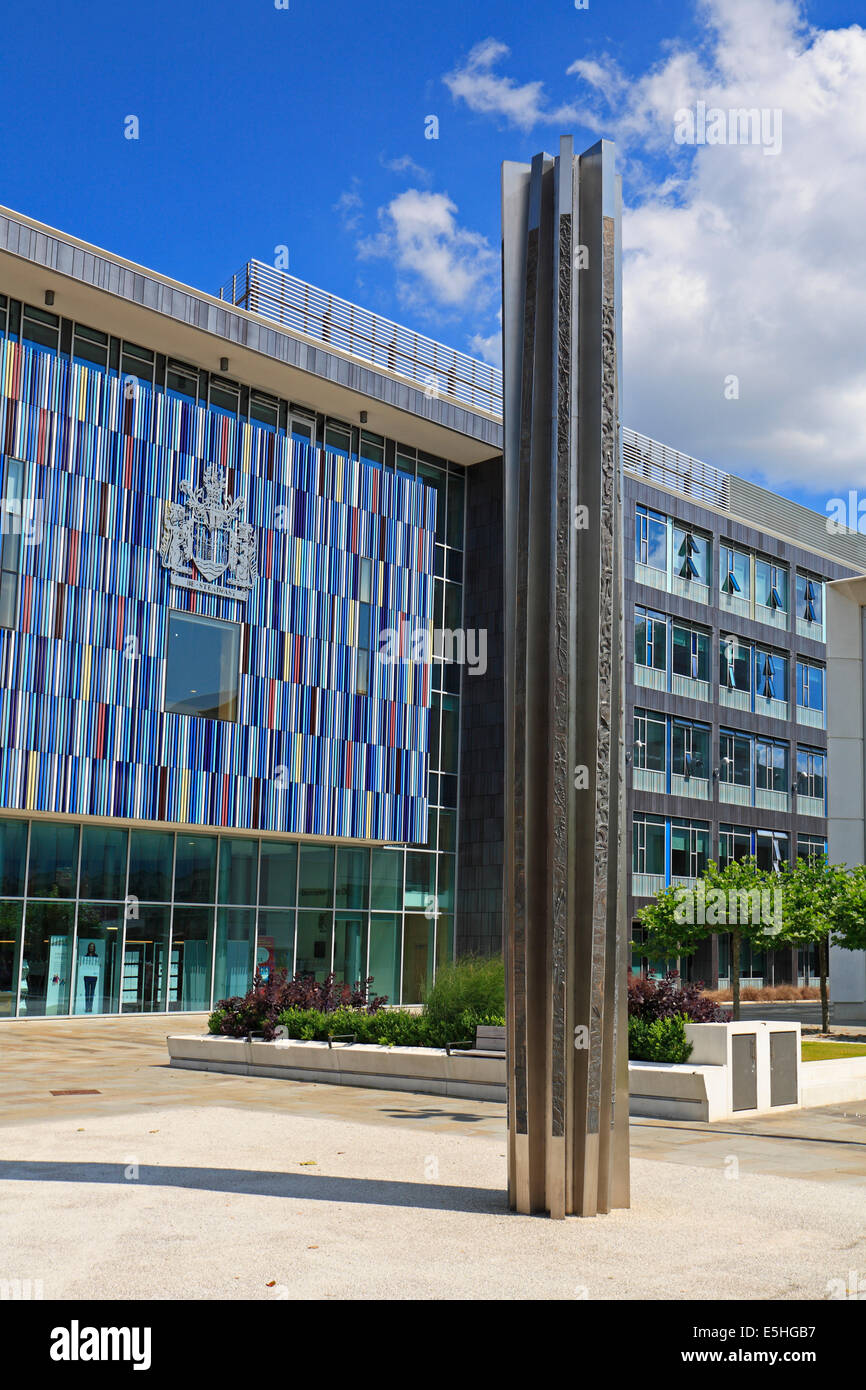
(172, 614)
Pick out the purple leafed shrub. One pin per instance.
(259, 1009)
(652, 999)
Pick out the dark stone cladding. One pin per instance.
(482, 741)
(716, 620)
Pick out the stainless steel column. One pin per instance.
(566, 932)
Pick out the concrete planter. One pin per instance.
(834, 1082)
(701, 1089)
(425, 1069)
(735, 1070)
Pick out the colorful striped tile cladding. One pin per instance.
(82, 726)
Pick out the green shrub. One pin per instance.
(388, 1027)
(466, 992)
(658, 1040)
(216, 1018)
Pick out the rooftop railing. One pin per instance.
(658, 463)
(435, 368)
(339, 324)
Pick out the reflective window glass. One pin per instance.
(278, 874)
(275, 944)
(46, 966)
(53, 860)
(195, 869)
(313, 955)
(103, 863)
(316, 876)
(191, 954)
(13, 857)
(239, 864)
(151, 865)
(233, 958)
(96, 983)
(145, 960)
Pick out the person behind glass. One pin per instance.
(90, 976)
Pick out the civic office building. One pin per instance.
(215, 507)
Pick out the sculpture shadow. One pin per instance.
(290, 1186)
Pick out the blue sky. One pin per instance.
(305, 127)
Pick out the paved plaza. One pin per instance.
(170, 1184)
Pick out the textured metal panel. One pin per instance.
(744, 1064)
(783, 1068)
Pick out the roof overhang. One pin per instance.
(129, 301)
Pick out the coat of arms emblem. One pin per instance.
(206, 542)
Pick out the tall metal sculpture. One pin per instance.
(565, 928)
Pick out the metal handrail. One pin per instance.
(337, 323)
(658, 463)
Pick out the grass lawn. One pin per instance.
(828, 1051)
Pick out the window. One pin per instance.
(40, 329)
(810, 685)
(338, 438)
(772, 850)
(225, 397)
(691, 555)
(811, 847)
(137, 362)
(181, 381)
(734, 572)
(735, 844)
(201, 669)
(690, 653)
(810, 599)
(690, 748)
(303, 428)
(265, 410)
(648, 845)
(365, 619)
(771, 675)
(811, 773)
(771, 765)
(771, 585)
(10, 541)
(4, 314)
(89, 346)
(651, 539)
(735, 666)
(735, 758)
(650, 639)
(690, 847)
(649, 741)
(372, 447)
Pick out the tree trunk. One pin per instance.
(823, 970)
(735, 974)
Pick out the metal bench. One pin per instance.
(489, 1042)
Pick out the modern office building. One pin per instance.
(232, 524)
(726, 695)
(210, 519)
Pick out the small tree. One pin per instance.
(849, 915)
(737, 899)
(815, 898)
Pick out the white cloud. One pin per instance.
(436, 259)
(747, 265)
(489, 349)
(405, 164)
(486, 91)
(350, 205)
